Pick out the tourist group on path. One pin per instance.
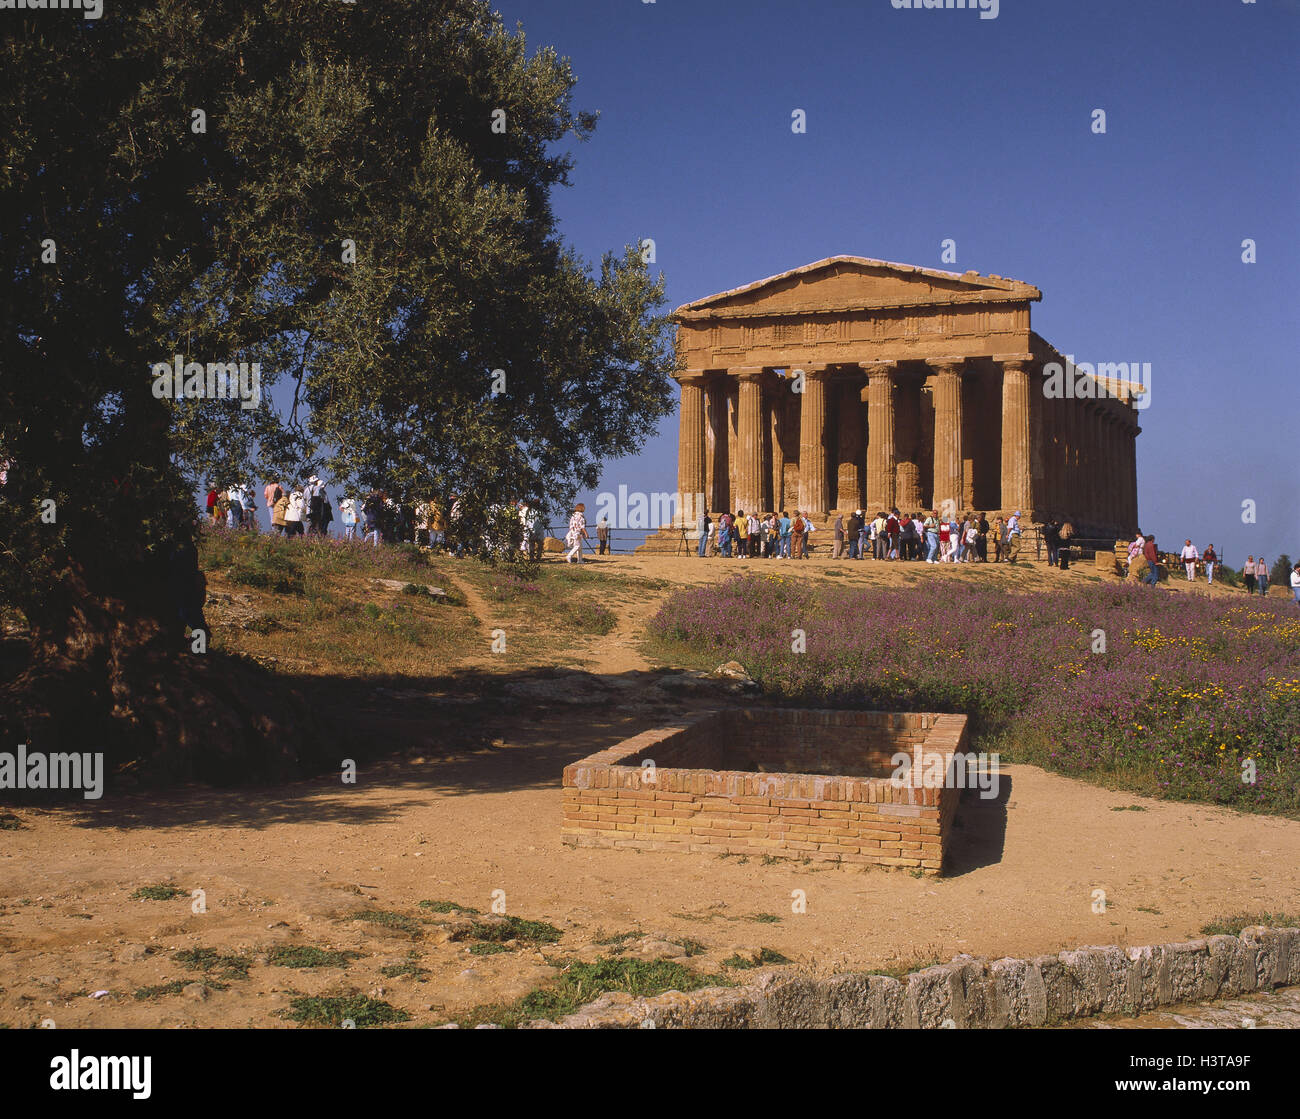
(306, 510)
(887, 536)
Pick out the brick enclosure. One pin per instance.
(771, 781)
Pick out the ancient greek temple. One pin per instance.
(859, 384)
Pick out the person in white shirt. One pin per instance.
(1013, 537)
(577, 534)
(1190, 556)
(294, 514)
(1295, 583)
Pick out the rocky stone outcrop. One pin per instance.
(972, 993)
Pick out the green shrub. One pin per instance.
(334, 1010)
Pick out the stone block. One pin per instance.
(1021, 993)
(864, 1002)
(1272, 955)
(1099, 980)
(933, 996)
(792, 1003)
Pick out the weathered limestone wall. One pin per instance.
(971, 993)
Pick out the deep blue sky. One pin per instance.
(925, 125)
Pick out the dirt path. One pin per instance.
(481, 609)
(291, 866)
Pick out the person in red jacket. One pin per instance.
(212, 503)
(1149, 550)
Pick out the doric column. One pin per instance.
(690, 448)
(715, 445)
(1119, 475)
(749, 439)
(848, 474)
(813, 497)
(971, 399)
(1121, 471)
(907, 441)
(1081, 474)
(1067, 449)
(776, 430)
(1037, 460)
(1090, 486)
(1075, 413)
(882, 451)
(1051, 468)
(1108, 487)
(731, 386)
(1135, 514)
(1071, 410)
(1103, 465)
(1017, 477)
(947, 436)
(1062, 458)
(1099, 440)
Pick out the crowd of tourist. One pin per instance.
(1144, 561)
(306, 510)
(893, 535)
(932, 538)
(887, 536)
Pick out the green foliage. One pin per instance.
(395, 621)
(515, 928)
(209, 960)
(1280, 573)
(261, 562)
(369, 124)
(446, 907)
(334, 1010)
(304, 955)
(175, 987)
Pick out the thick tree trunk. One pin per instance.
(109, 674)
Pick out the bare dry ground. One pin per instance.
(469, 805)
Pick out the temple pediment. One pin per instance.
(852, 283)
